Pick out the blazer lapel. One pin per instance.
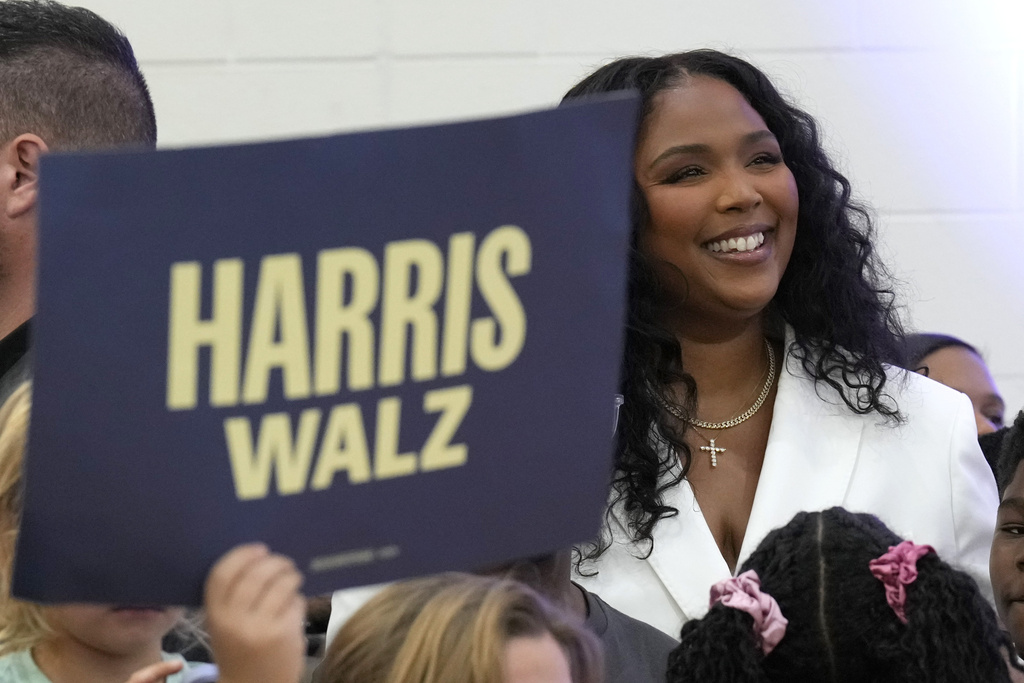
(812, 450)
(685, 556)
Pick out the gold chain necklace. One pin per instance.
(749, 413)
(713, 449)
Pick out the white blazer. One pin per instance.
(926, 479)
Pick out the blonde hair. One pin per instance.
(21, 623)
(451, 628)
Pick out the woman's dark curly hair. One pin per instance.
(840, 626)
(835, 293)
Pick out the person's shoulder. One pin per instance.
(19, 667)
(621, 626)
(634, 651)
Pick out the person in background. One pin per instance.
(1006, 562)
(68, 81)
(837, 596)
(957, 364)
(461, 628)
(634, 652)
(254, 611)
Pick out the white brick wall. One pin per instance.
(922, 100)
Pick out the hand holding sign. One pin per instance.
(254, 613)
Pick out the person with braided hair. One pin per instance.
(758, 369)
(837, 596)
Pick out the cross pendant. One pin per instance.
(714, 452)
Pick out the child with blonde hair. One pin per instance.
(254, 610)
(460, 628)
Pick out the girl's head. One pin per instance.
(457, 628)
(957, 364)
(842, 626)
(118, 631)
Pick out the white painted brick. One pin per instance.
(1020, 130)
(305, 29)
(945, 24)
(202, 105)
(964, 278)
(438, 90)
(650, 26)
(182, 30)
(925, 131)
(448, 27)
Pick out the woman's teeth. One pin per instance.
(737, 244)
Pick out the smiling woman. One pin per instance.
(747, 250)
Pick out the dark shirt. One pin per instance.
(634, 652)
(14, 360)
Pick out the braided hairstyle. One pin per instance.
(840, 626)
(835, 293)
(1011, 452)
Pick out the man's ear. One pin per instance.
(19, 174)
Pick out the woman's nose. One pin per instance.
(738, 192)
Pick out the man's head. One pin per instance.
(68, 81)
(71, 78)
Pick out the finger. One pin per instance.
(281, 592)
(257, 579)
(154, 673)
(229, 570)
(295, 611)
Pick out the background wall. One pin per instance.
(922, 101)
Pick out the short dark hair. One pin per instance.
(841, 626)
(919, 345)
(70, 77)
(1011, 452)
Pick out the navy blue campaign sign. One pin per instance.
(384, 354)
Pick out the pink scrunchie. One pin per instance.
(896, 569)
(743, 592)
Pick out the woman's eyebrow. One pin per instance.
(1014, 503)
(998, 399)
(700, 148)
(758, 135)
(696, 148)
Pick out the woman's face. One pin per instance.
(723, 204)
